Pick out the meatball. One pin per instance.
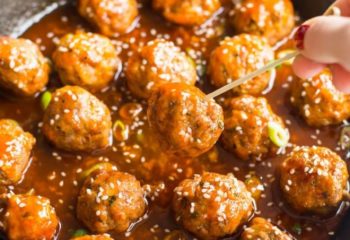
(75, 120)
(212, 205)
(273, 19)
(246, 131)
(111, 17)
(157, 63)
(186, 122)
(237, 57)
(94, 237)
(23, 69)
(318, 101)
(30, 217)
(15, 149)
(87, 60)
(263, 230)
(187, 12)
(110, 200)
(313, 179)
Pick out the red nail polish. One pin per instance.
(300, 35)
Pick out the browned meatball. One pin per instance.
(157, 63)
(237, 57)
(186, 122)
(110, 200)
(75, 120)
(313, 179)
(246, 131)
(111, 17)
(94, 237)
(187, 12)
(260, 229)
(273, 19)
(23, 69)
(15, 149)
(30, 217)
(87, 60)
(319, 102)
(212, 205)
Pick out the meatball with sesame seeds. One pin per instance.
(212, 205)
(186, 122)
(87, 60)
(313, 179)
(158, 62)
(273, 19)
(110, 200)
(23, 68)
(247, 121)
(238, 56)
(75, 120)
(94, 237)
(15, 149)
(30, 217)
(111, 17)
(318, 101)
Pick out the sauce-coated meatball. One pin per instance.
(110, 200)
(87, 60)
(15, 149)
(157, 63)
(23, 68)
(318, 101)
(246, 127)
(185, 121)
(94, 237)
(238, 56)
(313, 179)
(261, 229)
(187, 12)
(75, 120)
(212, 205)
(111, 17)
(273, 19)
(30, 217)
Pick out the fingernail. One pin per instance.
(300, 35)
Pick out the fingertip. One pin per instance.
(306, 68)
(341, 78)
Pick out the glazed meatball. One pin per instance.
(94, 237)
(110, 200)
(313, 179)
(110, 17)
(186, 122)
(187, 12)
(157, 63)
(263, 230)
(23, 69)
(318, 101)
(15, 149)
(87, 60)
(212, 205)
(75, 120)
(30, 217)
(238, 56)
(246, 131)
(273, 19)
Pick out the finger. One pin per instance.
(342, 5)
(306, 68)
(341, 78)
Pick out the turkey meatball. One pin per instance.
(313, 179)
(94, 237)
(247, 121)
(15, 149)
(110, 17)
(238, 56)
(75, 120)
(110, 200)
(87, 60)
(30, 217)
(186, 122)
(157, 63)
(273, 19)
(23, 68)
(319, 102)
(212, 206)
